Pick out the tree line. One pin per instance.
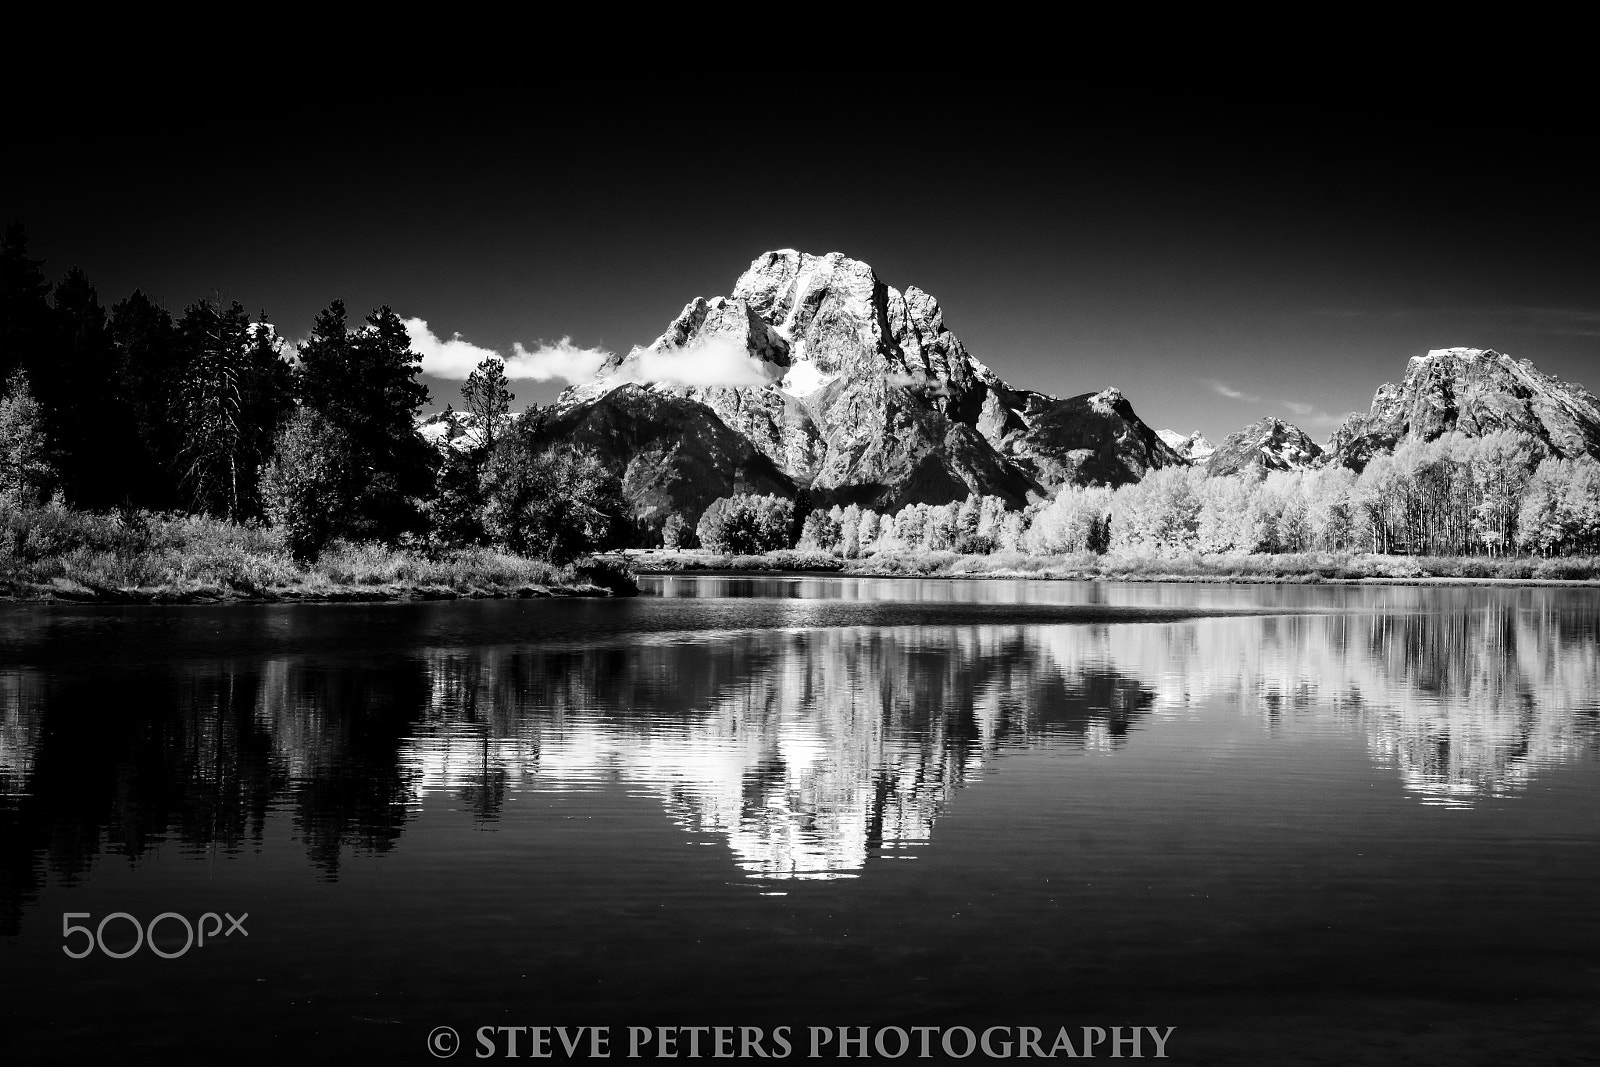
(212, 412)
(1453, 496)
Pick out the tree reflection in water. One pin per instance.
(809, 751)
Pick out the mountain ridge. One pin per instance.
(814, 375)
(1476, 391)
(859, 392)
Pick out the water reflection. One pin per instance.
(808, 752)
(805, 750)
(1462, 705)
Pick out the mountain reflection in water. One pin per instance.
(808, 750)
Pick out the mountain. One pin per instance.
(458, 430)
(1193, 449)
(1475, 391)
(674, 454)
(860, 393)
(1093, 439)
(1268, 444)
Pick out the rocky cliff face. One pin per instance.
(1193, 449)
(674, 454)
(1268, 444)
(457, 430)
(859, 392)
(1093, 439)
(1475, 391)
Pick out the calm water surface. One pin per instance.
(1301, 824)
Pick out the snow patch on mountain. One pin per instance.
(1269, 444)
(853, 387)
(1193, 447)
(1475, 391)
(804, 378)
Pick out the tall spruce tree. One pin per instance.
(78, 389)
(25, 320)
(150, 361)
(233, 389)
(364, 382)
(27, 468)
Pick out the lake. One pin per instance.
(1235, 824)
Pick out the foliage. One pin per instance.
(1158, 515)
(27, 472)
(363, 381)
(310, 482)
(746, 523)
(556, 503)
(607, 572)
(1077, 520)
(1560, 510)
(821, 531)
(454, 511)
(160, 554)
(677, 533)
(488, 400)
(232, 391)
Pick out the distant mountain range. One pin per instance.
(812, 373)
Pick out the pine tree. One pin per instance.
(149, 361)
(232, 391)
(488, 399)
(77, 389)
(364, 382)
(27, 472)
(25, 325)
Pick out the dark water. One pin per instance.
(1299, 824)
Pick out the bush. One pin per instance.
(607, 572)
(554, 503)
(746, 524)
(677, 533)
(309, 484)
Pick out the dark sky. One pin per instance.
(1218, 258)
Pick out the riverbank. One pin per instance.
(59, 554)
(1245, 568)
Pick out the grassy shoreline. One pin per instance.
(66, 590)
(53, 553)
(1306, 568)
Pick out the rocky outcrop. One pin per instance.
(458, 430)
(1473, 391)
(1093, 439)
(1268, 444)
(860, 392)
(1193, 449)
(673, 453)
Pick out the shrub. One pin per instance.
(607, 572)
(746, 524)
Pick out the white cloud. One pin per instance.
(1234, 394)
(1309, 416)
(1322, 420)
(563, 360)
(289, 350)
(713, 361)
(455, 358)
